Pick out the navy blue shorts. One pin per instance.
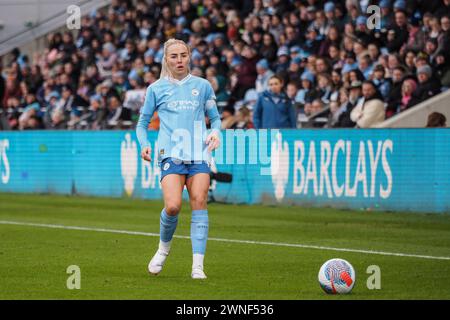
(187, 168)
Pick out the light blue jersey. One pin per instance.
(181, 106)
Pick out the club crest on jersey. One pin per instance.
(195, 92)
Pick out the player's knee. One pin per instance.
(198, 201)
(173, 209)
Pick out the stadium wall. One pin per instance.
(373, 169)
(417, 117)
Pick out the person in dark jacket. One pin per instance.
(408, 98)
(399, 34)
(247, 72)
(273, 108)
(348, 100)
(428, 85)
(395, 92)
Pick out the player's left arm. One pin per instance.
(145, 116)
(213, 139)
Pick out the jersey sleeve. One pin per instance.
(150, 105)
(211, 108)
(146, 113)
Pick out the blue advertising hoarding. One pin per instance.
(373, 169)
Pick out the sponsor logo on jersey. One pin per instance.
(183, 105)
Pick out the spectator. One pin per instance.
(350, 62)
(371, 111)
(12, 88)
(398, 35)
(317, 106)
(408, 98)
(228, 118)
(332, 39)
(294, 70)
(269, 48)
(410, 61)
(264, 74)
(324, 88)
(383, 85)
(29, 119)
(386, 14)
(96, 113)
(122, 51)
(362, 33)
(315, 114)
(53, 99)
(11, 114)
(395, 92)
(442, 67)
(436, 120)
(345, 108)
(243, 119)
(282, 63)
(106, 60)
(306, 92)
(431, 46)
(365, 66)
(336, 80)
(117, 115)
(247, 72)
(273, 108)
(348, 101)
(428, 85)
(291, 90)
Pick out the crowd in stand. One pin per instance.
(272, 63)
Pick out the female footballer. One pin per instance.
(184, 149)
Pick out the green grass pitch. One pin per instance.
(34, 259)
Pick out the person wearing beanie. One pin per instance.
(400, 5)
(264, 74)
(428, 86)
(307, 91)
(417, 34)
(386, 14)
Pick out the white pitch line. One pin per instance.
(277, 244)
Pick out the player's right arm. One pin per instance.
(145, 116)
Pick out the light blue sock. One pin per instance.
(167, 226)
(199, 231)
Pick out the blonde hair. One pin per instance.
(165, 71)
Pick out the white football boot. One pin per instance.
(197, 273)
(197, 267)
(156, 264)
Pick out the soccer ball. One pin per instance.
(337, 276)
